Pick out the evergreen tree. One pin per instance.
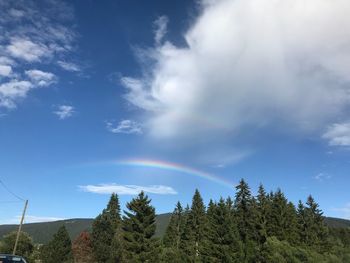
(283, 218)
(222, 244)
(172, 236)
(105, 228)
(193, 236)
(59, 249)
(138, 230)
(292, 224)
(263, 210)
(245, 216)
(315, 229)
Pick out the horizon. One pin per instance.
(166, 97)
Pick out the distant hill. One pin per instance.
(43, 232)
(337, 222)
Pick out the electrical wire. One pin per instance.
(10, 192)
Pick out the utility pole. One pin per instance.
(20, 227)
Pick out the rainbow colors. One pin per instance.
(176, 168)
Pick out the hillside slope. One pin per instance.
(43, 232)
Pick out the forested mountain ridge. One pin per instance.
(42, 232)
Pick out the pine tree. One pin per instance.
(283, 218)
(105, 228)
(245, 216)
(315, 229)
(193, 236)
(59, 249)
(138, 230)
(172, 236)
(302, 225)
(263, 210)
(221, 238)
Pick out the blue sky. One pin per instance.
(225, 89)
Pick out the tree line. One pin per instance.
(246, 228)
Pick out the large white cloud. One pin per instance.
(249, 63)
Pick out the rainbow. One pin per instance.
(174, 167)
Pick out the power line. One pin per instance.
(11, 192)
(10, 202)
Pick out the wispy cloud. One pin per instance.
(125, 126)
(128, 189)
(160, 25)
(322, 177)
(41, 78)
(24, 48)
(32, 219)
(38, 219)
(32, 34)
(64, 111)
(338, 134)
(69, 66)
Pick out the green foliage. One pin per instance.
(138, 230)
(246, 217)
(59, 249)
(174, 230)
(105, 242)
(25, 245)
(222, 241)
(192, 239)
(43, 232)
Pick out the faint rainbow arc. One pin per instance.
(169, 166)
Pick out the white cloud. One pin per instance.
(38, 219)
(5, 70)
(249, 65)
(6, 61)
(11, 91)
(41, 78)
(344, 210)
(69, 66)
(16, 13)
(32, 219)
(36, 34)
(27, 50)
(160, 25)
(64, 111)
(338, 134)
(128, 189)
(322, 176)
(125, 126)
(15, 89)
